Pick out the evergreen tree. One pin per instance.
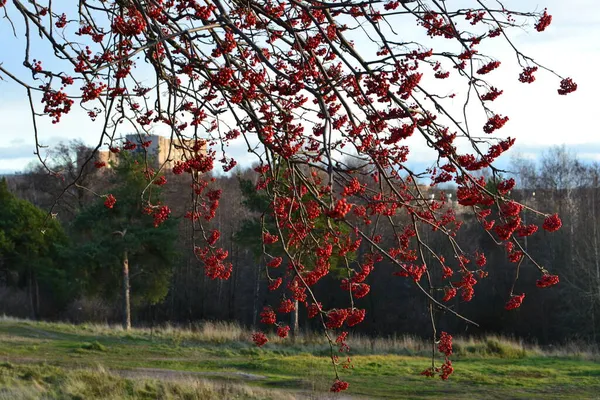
(33, 251)
(128, 237)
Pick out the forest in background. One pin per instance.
(71, 273)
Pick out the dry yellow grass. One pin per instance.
(229, 332)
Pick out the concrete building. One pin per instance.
(161, 150)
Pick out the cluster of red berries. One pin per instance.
(283, 331)
(339, 386)
(213, 237)
(214, 265)
(132, 25)
(110, 201)
(160, 181)
(495, 122)
(547, 280)
(527, 75)
(313, 310)
(449, 294)
(355, 316)
(275, 283)
(526, 230)
(445, 344)
(353, 187)
(91, 91)
(268, 316)
(414, 271)
(269, 239)
(57, 103)
(489, 67)
(492, 94)
(275, 262)
(342, 207)
(336, 318)
(129, 145)
(552, 223)
(62, 21)
(444, 347)
(567, 86)
(260, 339)
(286, 306)
(543, 22)
(359, 290)
(515, 302)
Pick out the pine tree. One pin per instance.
(128, 236)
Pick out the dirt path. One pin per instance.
(179, 375)
(171, 374)
(41, 333)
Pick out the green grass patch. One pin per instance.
(51, 382)
(66, 361)
(94, 346)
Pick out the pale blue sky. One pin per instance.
(538, 116)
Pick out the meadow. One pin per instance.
(218, 361)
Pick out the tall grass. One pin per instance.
(234, 335)
(25, 382)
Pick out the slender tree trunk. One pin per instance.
(30, 290)
(221, 314)
(256, 297)
(232, 284)
(126, 289)
(37, 297)
(295, 325)
(203, 298)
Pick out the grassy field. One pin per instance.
(216, 361)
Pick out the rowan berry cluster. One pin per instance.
(552, 223)
(133, 24)
(567, 86)
(444, 347)
(268, 316)
(527, 75)
(339, 386)
(110, 201)
(543, 22)
(515, 302)
(283, 331)
(260, 339)
(489, 67)
(547, 280)
(495, 122)
(57, 104)
(342, 207)
(160, 215)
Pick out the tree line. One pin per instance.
(90, 262)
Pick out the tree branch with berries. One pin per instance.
(327, 95)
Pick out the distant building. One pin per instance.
(161, 150)
(106, 156)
